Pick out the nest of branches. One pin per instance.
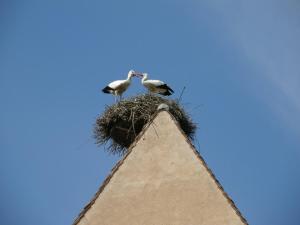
(120, 123)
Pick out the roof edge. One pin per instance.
(114, 170)
(230, 201)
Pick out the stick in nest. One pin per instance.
(120, 123)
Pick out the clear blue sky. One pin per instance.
(239, 61)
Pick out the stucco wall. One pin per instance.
(162, 182)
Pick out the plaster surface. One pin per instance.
(162, 182)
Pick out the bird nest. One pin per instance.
(120, 123)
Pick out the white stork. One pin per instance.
(118, 87)
(155, 86)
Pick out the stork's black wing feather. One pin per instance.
(166, 87)
(107, 90)
(166, 93)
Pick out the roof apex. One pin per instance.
(156, 164)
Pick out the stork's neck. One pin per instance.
(129, 77)
(145, 77)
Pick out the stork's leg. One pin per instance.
(116, 98)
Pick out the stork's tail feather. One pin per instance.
(168, 90)
(107, 90)
(166, 93)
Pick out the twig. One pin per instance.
(183, 89)
(132, 121)
(153, 125)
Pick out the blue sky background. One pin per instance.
(239, 61)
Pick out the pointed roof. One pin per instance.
(161, 180)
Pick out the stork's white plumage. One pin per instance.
(118, 87)
(155, 86)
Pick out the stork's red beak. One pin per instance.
(137, 74)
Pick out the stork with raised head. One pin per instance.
(155, 86)
(118, 87)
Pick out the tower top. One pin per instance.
(161, 180)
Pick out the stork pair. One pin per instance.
(118, 87)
